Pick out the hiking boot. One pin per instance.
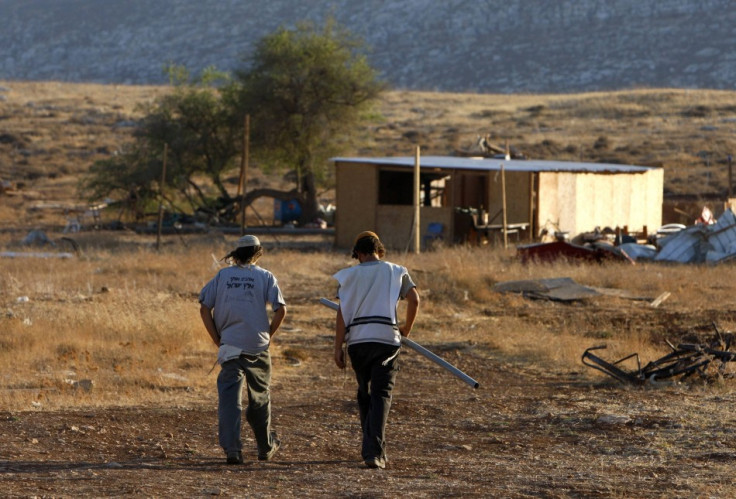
(375, 462)
(235, 457)
(274, 447)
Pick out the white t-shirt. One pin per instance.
(369, 293)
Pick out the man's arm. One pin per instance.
(339, 340)
(412, 307)
(278, 318)
(209, 323)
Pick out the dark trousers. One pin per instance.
(375, 366)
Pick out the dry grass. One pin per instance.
(126, 316)
(123, 320)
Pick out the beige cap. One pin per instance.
(247, 241)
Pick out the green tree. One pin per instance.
(127, 175)
(194, 122)
(306, 90)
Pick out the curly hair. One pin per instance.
(369, 245)
(245, 255)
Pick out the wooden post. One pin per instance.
(417, 203)
(161, 199)
(531, 207)
(503, 206)
(244, 172)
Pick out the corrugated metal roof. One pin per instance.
(488, 164)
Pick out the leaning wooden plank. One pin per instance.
(658, 301)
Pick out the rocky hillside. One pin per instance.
(505, 46)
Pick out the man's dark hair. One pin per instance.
(368, 245)
(245, 255)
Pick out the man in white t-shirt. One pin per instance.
(233, 310)
(366, 320)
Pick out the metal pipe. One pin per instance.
(421, 350)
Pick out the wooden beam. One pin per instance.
(531, 206)
(161, 199)
(503, 207)
(417, 203)
(244, 172)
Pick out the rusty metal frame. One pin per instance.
(685, 360)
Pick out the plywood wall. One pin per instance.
(394, 224)
(517, 197)
(358, 210)
(580, 202)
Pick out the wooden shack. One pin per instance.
(377, 194)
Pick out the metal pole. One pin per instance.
(161, 199)
(420, 350)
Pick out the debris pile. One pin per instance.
(557, 250)
(703, 242)
(707, 241)
(555, 289)
(687, 361)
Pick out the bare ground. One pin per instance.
(527, 431)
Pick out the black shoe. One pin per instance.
(235, 457)
(274, 447)
(375, 462)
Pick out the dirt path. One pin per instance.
(523, 433)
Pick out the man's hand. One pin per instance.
(340, 358)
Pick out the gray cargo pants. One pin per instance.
(255, 372)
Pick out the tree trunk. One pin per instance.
(233, 209)
(307, 199)
(310, 204)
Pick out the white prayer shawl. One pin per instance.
(369, 294)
